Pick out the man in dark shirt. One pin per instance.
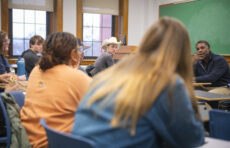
(211, 68)
(30, 56)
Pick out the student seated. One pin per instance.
(4, 47)
(209, 67)
(55, 88)
(105, 60)
(147, 99)
(30, 56)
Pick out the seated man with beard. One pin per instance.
(212, 68)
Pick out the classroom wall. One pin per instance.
(142, 14)
(69, 16)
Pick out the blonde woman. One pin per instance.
(105, 60)
(147, 99)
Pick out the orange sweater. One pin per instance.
(53, 95)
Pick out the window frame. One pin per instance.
(112, 32)
(11, 31)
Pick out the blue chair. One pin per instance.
(61, 140)
(219, 124)
(6, 139)
(19, 97)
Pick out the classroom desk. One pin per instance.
(215, 143)
(207, 96)
(200, 84)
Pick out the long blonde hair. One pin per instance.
(163, 54)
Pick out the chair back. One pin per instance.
(6, 139)
(219, 124)
(59, 140)
(19, 97)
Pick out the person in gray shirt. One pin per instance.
(106, 58)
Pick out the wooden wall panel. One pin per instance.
(123, 19)
(79, 19)
(56, 17)
(59, 17)
(5, 16)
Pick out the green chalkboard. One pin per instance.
(205, 20)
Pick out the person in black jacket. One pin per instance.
(30, 56)
(211, 68)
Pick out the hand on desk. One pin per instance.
(13, 82)
(5, 78)
(9, 87)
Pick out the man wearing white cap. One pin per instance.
(106, 58)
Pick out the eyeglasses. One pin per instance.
(80, 49)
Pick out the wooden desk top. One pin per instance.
(200, 84)
(207, 96)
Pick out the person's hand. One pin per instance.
(9, 87)
(195, 58)
(5, 77)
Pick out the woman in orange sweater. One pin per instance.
(55, 88)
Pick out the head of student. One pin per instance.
(163, 54)
(4, 42)
(59, 48)
(36, 43)
(110, 45)
(203, 49)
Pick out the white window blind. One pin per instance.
(44, 5)
(101, 6)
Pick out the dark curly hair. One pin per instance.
(57, 49)
(2, 40)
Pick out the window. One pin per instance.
(25, 24)
(96, 28)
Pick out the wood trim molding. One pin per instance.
(59, 10)
(56, 17)
(4, 16)
(79, 20)
(123, 19)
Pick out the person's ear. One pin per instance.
(75, 58)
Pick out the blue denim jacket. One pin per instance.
(170, 122)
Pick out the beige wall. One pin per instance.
(142, 13)
(69, 16)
